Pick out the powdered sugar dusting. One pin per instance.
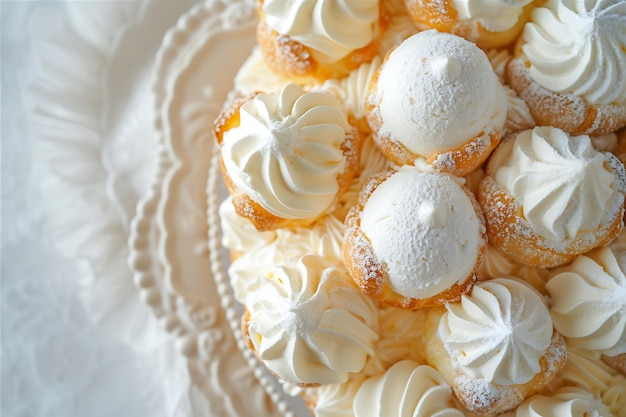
(564, 110)
(425, 231)
(479, 395)
(439, 88)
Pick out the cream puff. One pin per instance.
(436, 99)
(406, 389)
(549, 197)
(489, 24)
(569, 66)
(415, 239)
(319, 39)
(308, 323)
(588, 301)
(286, 156)
(496, 346)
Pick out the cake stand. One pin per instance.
(176, 254)
(122, 105)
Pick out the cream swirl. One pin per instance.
(585, 369)
(331, 29)
(309, 324)
(614, 397)
(493, 15)
(324, 239)
(404, 390)
(566, 402)
(335, 400)
(499, 332)
(436, 92)
(577, 47)
(564, 185)
(286, 153)
(588, 302)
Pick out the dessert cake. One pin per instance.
(426, 205)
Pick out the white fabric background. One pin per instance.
(55, 360)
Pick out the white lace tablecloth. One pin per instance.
(64, 354)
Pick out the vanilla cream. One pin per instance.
(309, 324)
(493, 15)
(331, 29)
(498, 332)
(563, 184)
(406, 389)
(577, 47)
(286, 153)
(588, 302)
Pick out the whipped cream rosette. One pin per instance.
(587, 63)
(319, 39)
(498, 332)
(287, 155)
(488, 23)
(308, 323)
(566, 402)
(588, 302)
(331, 29)
(406, 389)
(549, 197)
(569, 65)
(496, 346)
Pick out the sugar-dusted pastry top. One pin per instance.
(563, 184)
(331, 29)
(286, 152)
(424, 228)
(449, 96)
(493, 15)
(577, 47)
(498, 332)
(588, 301)
(566, 402)
(309, 324)
(406, 389)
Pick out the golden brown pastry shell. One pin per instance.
(370, 275)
